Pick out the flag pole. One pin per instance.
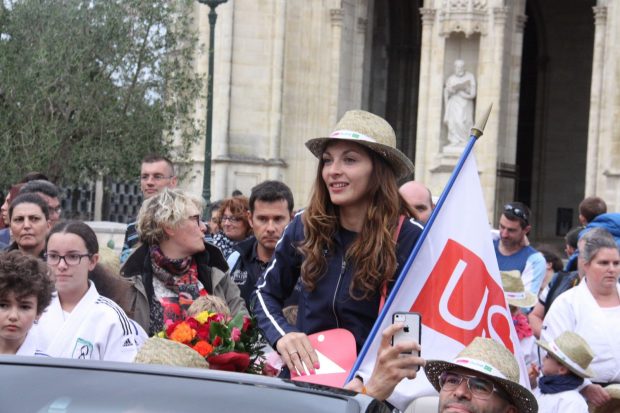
(476, 132)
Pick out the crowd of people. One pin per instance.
(329, 265)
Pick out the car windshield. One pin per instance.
(50, 389)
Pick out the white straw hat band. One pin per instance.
(516, 296)
(480, 366)
(557, 352)
(349, 134)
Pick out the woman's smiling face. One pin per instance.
(347, 168)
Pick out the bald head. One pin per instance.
(419, 198)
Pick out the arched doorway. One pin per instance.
(554, 105)
(395, 67)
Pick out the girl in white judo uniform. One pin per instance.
(80, 323)
(25, 291)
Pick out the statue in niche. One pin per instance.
(458, 96)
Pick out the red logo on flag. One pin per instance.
(462, 300)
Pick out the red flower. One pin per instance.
(193, 323)
(247, 322)
(217, 341)
(203, 292)
(202, 332)
(231, 361)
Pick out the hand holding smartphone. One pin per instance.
(412, 330)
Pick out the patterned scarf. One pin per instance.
(225, 244)
(522, 325)
(179, 276)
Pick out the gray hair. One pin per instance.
(593, 241)
(166, 209)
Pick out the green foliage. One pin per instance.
(90, 87)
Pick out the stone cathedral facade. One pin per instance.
(286, 70)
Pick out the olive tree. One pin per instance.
(87, 88)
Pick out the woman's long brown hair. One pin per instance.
(373, 253)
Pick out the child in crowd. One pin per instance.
(25, 291)
(563, 369)
(519, 298)
(80, 323)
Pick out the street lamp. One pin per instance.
(206, 183)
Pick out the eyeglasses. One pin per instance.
(57, 209)
(156, 177)
(233, 219)
(70, 259)
(479, 387)
(195, 218)
(517, 212)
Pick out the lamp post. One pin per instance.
(206, 183)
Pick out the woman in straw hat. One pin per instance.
(592, 310)
(347, 247)
(564, 368)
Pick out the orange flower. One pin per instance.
(203, 348)
(183, 333)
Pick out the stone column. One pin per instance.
(277, 81)
(425, 144)
(597, 95)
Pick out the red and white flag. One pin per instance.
(454, 282)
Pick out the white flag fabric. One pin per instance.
(454, 282)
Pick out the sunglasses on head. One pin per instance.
(517, 212)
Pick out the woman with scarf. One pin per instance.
(234, 221)
(174, 263)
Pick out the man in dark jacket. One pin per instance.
(271, 210)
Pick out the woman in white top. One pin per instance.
(80, 323)
(592, 310)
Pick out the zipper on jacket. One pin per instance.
(342, 269)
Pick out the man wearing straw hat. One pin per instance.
(483, 378)
(564, 367)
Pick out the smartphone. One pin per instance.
(412, 330)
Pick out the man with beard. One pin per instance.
(513, 250)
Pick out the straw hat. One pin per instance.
(170, 353)
(515, 290)
(370, 131)
(572, 351)
(613, 406)
(492, 360)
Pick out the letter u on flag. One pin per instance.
(453, 280)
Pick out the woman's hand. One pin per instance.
(595, 394)
(391, 366)
(297, 352)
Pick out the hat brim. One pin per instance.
(403, 167)
(585, 373)
(530, 300)
(523, 399)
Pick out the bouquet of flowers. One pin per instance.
(231, 344)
